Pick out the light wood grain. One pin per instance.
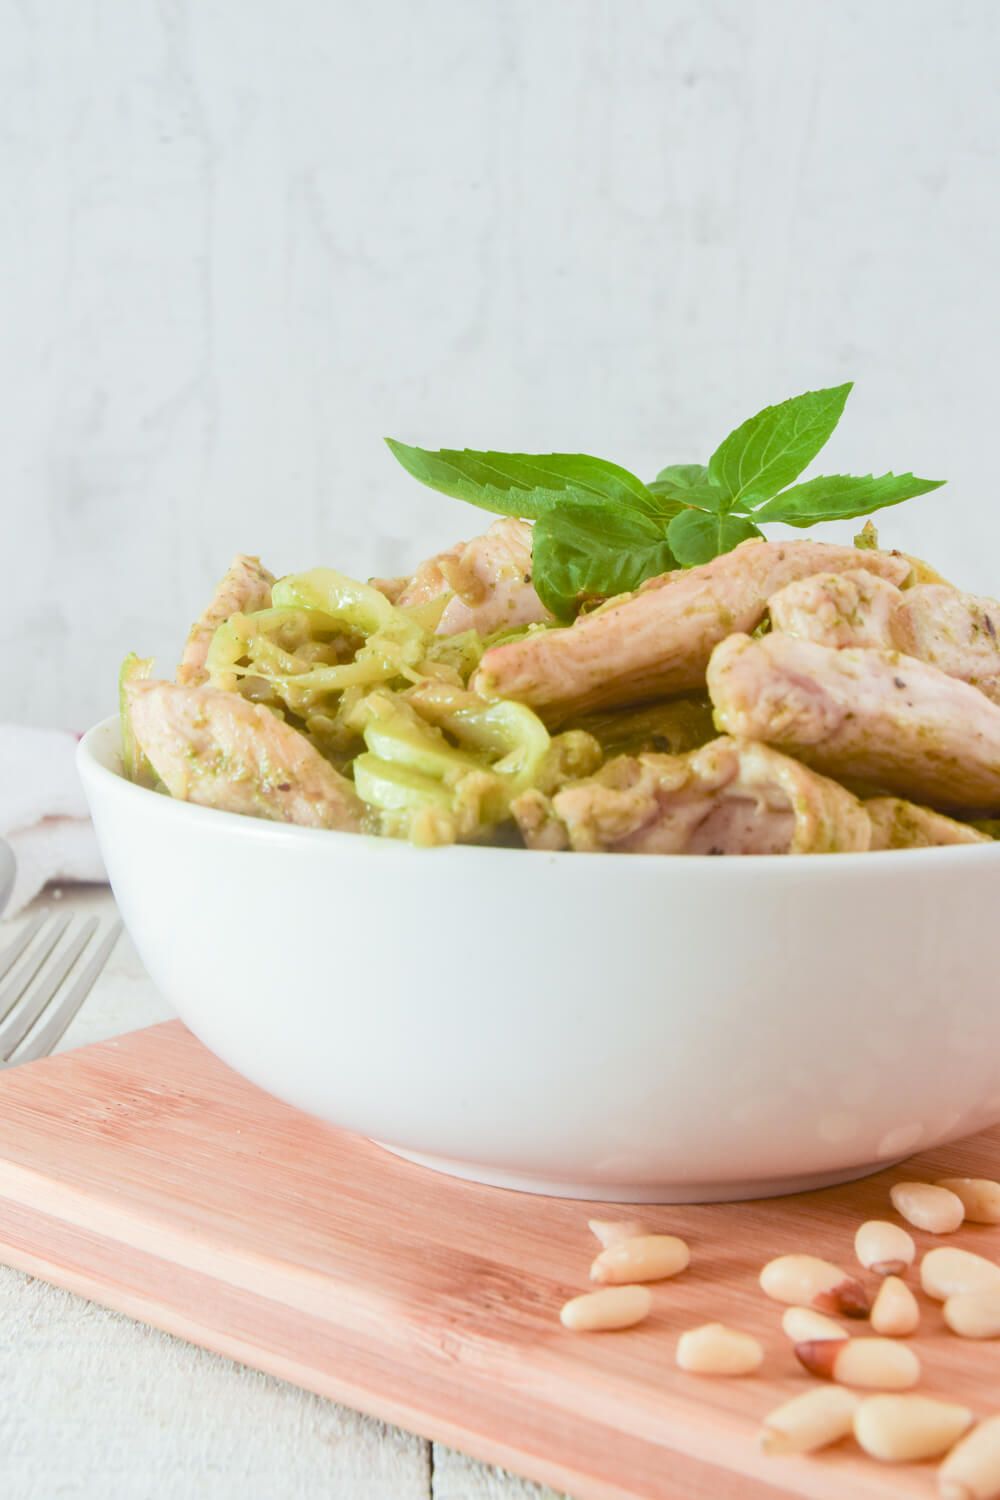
(144, 1174)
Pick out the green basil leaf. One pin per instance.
(667, 499)
(684, 475)
(586, 549)
(696, 537)
(689, 484)
(839, 497)
(771, 449)
(697, 497)
(521, 484)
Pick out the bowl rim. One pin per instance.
(92, 760)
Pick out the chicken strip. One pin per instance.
(426, 583)
(392, 588)
(492, 582)
(658, 641)
(726, 798)
(872, 716)
(220, 750)
(838, 609)
(904, 825)
(245, 588)
(489, 580)
(953, 631)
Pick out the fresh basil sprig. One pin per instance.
(521, 484)
(587, 549)
(601, 531)
(841, 497)
(697, 536)
(768, 451)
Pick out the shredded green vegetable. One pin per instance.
(134, 763)
(385, 699)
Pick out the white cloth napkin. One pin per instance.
(43, 812)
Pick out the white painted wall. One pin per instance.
(242, 239)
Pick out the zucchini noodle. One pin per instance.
(134, 763)
(385, 700)
(433, 786)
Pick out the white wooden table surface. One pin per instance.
(94, 1405)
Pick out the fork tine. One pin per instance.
(17, 984)
(14, 950)
(60, 1014)
(23, 1017)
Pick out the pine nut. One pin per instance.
(714, 1349)
(875, 1364)
(803, 1324)
(974, 1315)
(651, 1257)
(972, 1470)
(613, 1231)
(895, 1310)
(884, 1248)
(980, 1196)
(807, 1281)
(810, 1421)
(905, 1429)
(947, 1273)
(614, 1307)
(936, 1209)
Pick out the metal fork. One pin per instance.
(35, 997)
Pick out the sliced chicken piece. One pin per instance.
(865, 715)
(427, 583)
(537, 822)
(392, 588)
(488, 579)
(658, 641)
(245, 588)
(838, 609)
(726, 798)
(904, 825)
(492, 582)
(219, 750)
(953, 631)
(960, 633)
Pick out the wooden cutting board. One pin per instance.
(143, 1174)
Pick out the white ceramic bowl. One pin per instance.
(641, 1028)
